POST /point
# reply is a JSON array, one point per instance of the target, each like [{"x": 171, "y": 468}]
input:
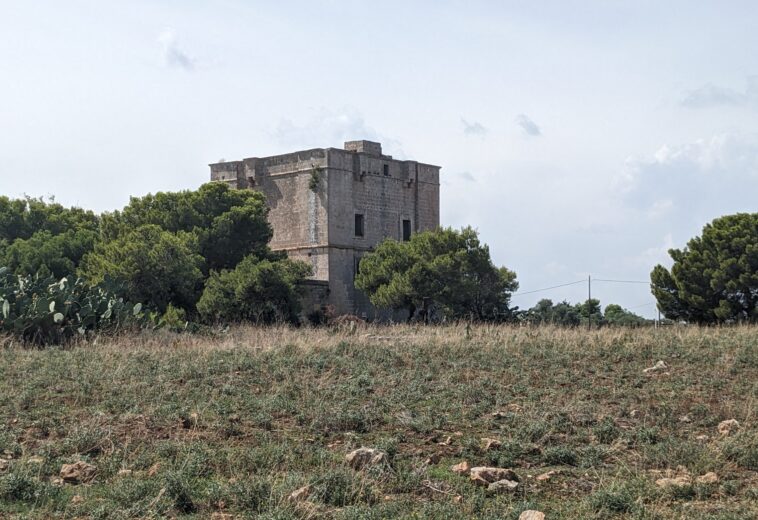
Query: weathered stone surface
[
  {"x": 503, "y": 486},
  {"x": 490, "y": 444},
  {"x": 362, "y": 457},
  {"x": 78, "y": 473},
  {"x": 301, "y": 494},
  {"x": 4, "y": 464},
  {"x": 548, "y": 475},
  {"x": 484, "y": 476},
  {"x": 708, "y": 478},
  {"x": 728, "y": 427},
  {"x": 531, "y": 514},
  {"x": 682, "y": 480},
  {"x": 461, "y": 468},
  {"x": 314, "y": 197},
  {"x": 658, "y": 367}
]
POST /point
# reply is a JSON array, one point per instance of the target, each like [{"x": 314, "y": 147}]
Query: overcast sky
[{"x": 578, "y": 137}]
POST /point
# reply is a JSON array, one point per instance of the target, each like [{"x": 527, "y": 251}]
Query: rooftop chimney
[{"x": 369, "y": 147}]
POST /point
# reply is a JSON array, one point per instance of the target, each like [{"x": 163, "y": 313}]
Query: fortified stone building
[{"x": 329, "y": 206}]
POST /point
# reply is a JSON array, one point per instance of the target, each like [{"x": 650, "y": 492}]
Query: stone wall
[{"x": 315, "y": 221}]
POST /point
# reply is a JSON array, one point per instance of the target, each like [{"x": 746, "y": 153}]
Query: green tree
[
  {"x": 545, "y": 312},
  {"x": 38, "y": 237},
  {"x": 47, "y": 254},
  {"x": 261, "y": 291},
  {"x": 715, "y": 278},
  {"x": 590, "y": 312},
  {"x": 616, "y": 315},
  {"x": 228, "y": 224},
  {"x": 446, "y": 270},
  {"x": 154, "y": 266}
]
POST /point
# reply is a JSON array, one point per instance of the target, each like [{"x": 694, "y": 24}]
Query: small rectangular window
[
  {"x": 406, "y": 230},
  {"x": 386, "y": 170},
  {"x": 359, "y": 225},
  {"x": 357, "y": 265}
]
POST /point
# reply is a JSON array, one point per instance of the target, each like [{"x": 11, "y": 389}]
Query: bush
[
  {"x": 44, "y": 311},
  {"x": 261, "y": 291}
]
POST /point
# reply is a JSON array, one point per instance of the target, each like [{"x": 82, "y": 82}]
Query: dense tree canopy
[
  {"x": 447, "y": 271},
  {"x": 227, "y": 224},
  {"x": 155, "y": 267},
  {"x": 565, "y": 314},
  {"x": 161, "y": 250},
  {"x": 715, "y": 278},
  {"x": 256, "y": 290},
  {"x": 44, "y": 237}
]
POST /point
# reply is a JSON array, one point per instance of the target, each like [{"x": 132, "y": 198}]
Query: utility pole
[{"x": 589, "y": 304}]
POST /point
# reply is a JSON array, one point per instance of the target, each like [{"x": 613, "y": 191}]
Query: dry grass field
[{"x": 229, "y": 426}]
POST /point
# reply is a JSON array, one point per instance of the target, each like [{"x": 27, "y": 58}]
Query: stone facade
[{"x": 329, "y": 206}]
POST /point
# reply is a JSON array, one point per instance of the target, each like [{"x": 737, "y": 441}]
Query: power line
[
  {"x": 638, "y": 306},
  {"x": 622, "y": 281},
  {"x": 548, "y": 288}
]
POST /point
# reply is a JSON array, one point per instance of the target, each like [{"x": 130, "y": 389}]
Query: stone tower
[{"x": 329, "y": 206}]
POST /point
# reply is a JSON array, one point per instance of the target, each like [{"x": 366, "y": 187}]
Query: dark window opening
[
  {"x": 357, "y": 266},
  {"x": 359, "y": 225},
  {"x": 406, "y": 230},
  {"x": 387, "y": 170}
]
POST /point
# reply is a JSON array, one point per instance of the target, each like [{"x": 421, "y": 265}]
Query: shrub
[
  {"x": 261, "y": 291},
  {"x": 45, "y": 311}
]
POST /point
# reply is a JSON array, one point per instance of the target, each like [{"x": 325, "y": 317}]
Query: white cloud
[
  {"x": 658, "y": 254},
  {"x": 473, "y": 128},
  {"x": 173, "y": 56},
  {"x": 528, "y": 126},
  {"x": 660, "y": 208},
  {"x": 328, "y": 127},
  {"x": 710, "y": 95}
]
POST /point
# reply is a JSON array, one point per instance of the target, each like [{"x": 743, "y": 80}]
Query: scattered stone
[
  {"x": 77, "y": 499},
  {"x": 708, "y": 478},
  {"x": 503, "y": 486},
  {"x": 484, "y": 476},
  {"x": 461, "y": 469},
  {"x": 728, "y": 426},
  {"x": 458, "y": 499},
  {"x": 153, "y": 470},
  {"x": 363, "y": 457},
  {"x": 447, "y": 442},
  {"x": 531, "y": 514},
  {"x": 682, "y": 480},
  {"x": 547, "y": 476},
  {"x": 433, "y": 459},
  {"x": 660, "y": 365},
  {"x": 36, "y": 460},
  {"x": 634, "y": 414},
  {"x": 78, "y": 473},
  {"x": 685, "y": 419},
  {"x": 124, "y": 472},
  {"x": 301, "y": 494},
  {"x": 222, "y": 516},
  {"x": 190, "y": 422},
  {"x": 490, "y": 444},
  {"x": 702, "y": 438},
  {"x": 4, "y": 464},
  {"x": 511, "y": 408}
]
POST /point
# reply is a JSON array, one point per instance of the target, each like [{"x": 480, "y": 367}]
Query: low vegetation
[{"x": 616, "y": 423}]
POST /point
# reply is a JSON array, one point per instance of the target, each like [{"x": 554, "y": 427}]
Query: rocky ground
[{"x": 400, "y": 422}]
